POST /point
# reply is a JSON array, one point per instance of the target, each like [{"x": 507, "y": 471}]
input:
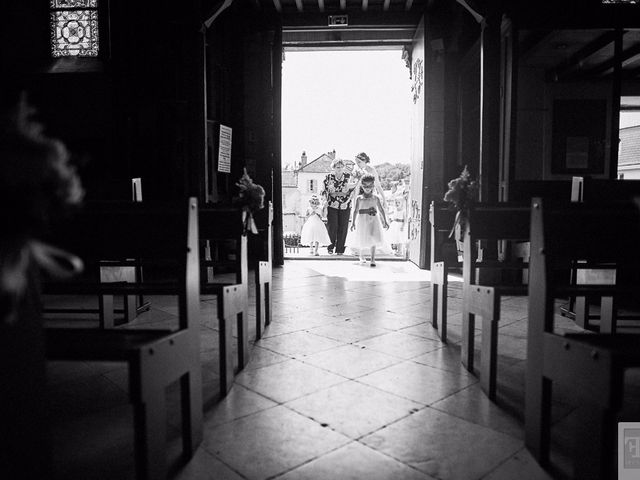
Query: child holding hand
[{"x": 368, "y": 220}]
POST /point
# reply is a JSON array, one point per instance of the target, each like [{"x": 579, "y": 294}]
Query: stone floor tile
[
  {"x": 298, "y": 344},
  {"x": 348, "y": 331},
  {"x": 417, "y": 382},
  {"x": 424, "y": 329},
  {"x": 401, "y": 345},
  {"x": 204, "y": 466},
  {"x": 285, "y": 381},
  {"x": 354, "y": 462},
  {"x": 387, "y": 319},
  {"x": 239, "y": 402},
  {"x": 356, "y": 409},
  {"x": 444, "y": 446},
  {"x": 351, "y": 361},
  {"x": 472, "y": 404},
  {"x": 270, "y": 442},
  {"x": 262, "y": 357},
  {"x": 521, "y": 466}
]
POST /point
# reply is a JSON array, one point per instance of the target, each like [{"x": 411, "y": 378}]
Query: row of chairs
[
  {"x": 165, "y": 242},
  {"x": 493, "y": 225}
]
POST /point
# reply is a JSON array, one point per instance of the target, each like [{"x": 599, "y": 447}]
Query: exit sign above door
[{"x": 338, "y": 20}]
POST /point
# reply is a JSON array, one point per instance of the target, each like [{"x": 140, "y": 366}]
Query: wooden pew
[
  {"x": 591, "y": 365},
  {"x": 522, "y": 191},
  {"x": 489, "y": 223},
  {"x": 159, "y": 235},
  {"x": 594, "y": 191},
  {"x": 441, "y": 218},
  {"x": 264, "y": 269},
  {"x": 219, "y": 224}
]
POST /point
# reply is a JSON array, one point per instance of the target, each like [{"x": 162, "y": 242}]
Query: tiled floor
[{"x": 349, "y": 382}]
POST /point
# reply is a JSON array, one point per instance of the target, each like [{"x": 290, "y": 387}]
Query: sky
[{"x": 350, "y": 101}]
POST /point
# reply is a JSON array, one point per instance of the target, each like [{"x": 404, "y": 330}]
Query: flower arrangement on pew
[
  {"x": 462, "y": 194},
  {"x": 251, "y": 198},
  {"x": 37, "y": 184}
]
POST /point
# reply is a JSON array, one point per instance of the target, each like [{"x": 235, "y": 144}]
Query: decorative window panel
[{"x": 74, "y": 28}]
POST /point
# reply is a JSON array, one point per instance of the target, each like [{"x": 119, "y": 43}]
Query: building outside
[{"x": 629, "y": 153}]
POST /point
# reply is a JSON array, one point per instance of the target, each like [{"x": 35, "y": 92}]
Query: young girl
[
  {"x": 366, "y": 220},
  {"x": 314, "y": 232},
  {"x": 397, "y": 234}
]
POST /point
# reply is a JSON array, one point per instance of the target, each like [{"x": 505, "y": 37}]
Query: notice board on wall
[{"x": 224, "y": 149}]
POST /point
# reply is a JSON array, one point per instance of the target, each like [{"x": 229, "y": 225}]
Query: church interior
[{"x": 151, "y": 328}]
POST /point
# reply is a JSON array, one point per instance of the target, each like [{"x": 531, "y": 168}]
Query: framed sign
[
  {"x": 224, "y": 149},
  {"x": 579, "y": 136}
]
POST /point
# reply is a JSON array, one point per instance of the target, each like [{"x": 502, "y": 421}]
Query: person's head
[
  {"x": 362, "y": 158},
  {"x": 337, "y": 165},
  {"x": 367, "y": 183},
  {"x": 314, "y": 201},
  {"x": 399, "y": 201}
]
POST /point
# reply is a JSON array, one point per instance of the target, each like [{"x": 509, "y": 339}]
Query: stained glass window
[
  {"x": 621, "y": 2},
  {"x": 74, "y": 28}
]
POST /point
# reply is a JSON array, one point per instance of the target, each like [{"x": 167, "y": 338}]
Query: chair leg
[
  {"x": 229, "y": 303},
  {"x": 434, "y": 304},
  {"x": 488, "y": 375},
  {"x": 537, "y": 419},
  {"x": 242, "y": 323},
  {"x": 150, "y": 435},
  {"x": 468, "y": 339},
  {"x": 105, "y": 308},
  {"x": 442, "y": 312},
  {"x": 594, "y": 458},
  {"x": 607, "y": 315},
  {"x": 191, "y": 393},
  {"x": 582, "y": 312}
]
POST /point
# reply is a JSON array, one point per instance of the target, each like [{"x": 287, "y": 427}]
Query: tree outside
[{"x": 391, "y": 174}]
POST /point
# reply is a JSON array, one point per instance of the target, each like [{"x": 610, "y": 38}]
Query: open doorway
[{"x": 336, "y": 104}]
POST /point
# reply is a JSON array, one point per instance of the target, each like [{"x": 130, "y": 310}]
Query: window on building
[
  {"x": 74, "y": 28},
  {"x": 312, "y": 184}
]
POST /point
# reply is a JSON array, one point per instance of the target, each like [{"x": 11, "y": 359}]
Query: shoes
[
  {"x": 373, "y": 263},
  {"x": 317, "y": 254},
  {"x": 339, "y": 253},
  {"x": 363, "y": 261},
  {"x": 330, "y": 252}
]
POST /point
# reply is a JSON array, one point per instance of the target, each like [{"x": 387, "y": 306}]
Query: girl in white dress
[
  {"x": 314, "y": 232},
  {"x": 397, "y": 233},
  {"x": 368, "y": 220}
]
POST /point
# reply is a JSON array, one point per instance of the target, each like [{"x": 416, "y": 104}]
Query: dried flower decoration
[
  {"x": 37, "y": 183},
  {"x": 463, "y": 191},
  {"x": 251, "y": 198},
  {"x": 462, "y": 194}
]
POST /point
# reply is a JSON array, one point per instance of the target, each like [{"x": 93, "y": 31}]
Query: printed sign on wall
[{"x": 224, "y": 149}]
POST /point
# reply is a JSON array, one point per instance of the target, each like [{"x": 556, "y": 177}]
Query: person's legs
[
  {"x": 332, "y": 227},
  {"x": 343, "y": 227},
  {"x": 315, "y": 248},
  {"x": 373, "y": 256}
]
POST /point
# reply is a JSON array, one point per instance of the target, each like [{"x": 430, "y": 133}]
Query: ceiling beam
[
  {"x": 534, "y": 39},
  {"x": 299, "y": 5},
  {"x": 408, "y": 5},
  {"x": 566, "y": 67},
  {"x": 357, "y": 18},
  {"x": 343, "y": 4},
  {"x": 217, "y": 10},
  {"x": 385, "y": 7},
  {"x": 277, "y": 5},
  {"x": 629, "y": 53},
  {"x": 365, "y": 5},
  {"x": 321, "y": 5}
]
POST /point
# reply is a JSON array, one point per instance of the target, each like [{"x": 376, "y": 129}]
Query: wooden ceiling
[
  {"x": 578, "y": 54},
  {"x": 319, "y": 6}
]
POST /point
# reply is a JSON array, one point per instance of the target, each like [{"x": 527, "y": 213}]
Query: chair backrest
[
  {"x": 144, "y": 234},
  {"x": 492, "y": 223},
  {"x": 525, "y": 190},
  {"x": 585, "y": 236},
  {"x": 585, "y": 189},
  {"x": 441, "y": 219},
  {"x": 227, "y": 223}
]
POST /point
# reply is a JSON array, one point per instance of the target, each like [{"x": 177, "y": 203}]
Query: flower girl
[{"x": 314, "y": 232}]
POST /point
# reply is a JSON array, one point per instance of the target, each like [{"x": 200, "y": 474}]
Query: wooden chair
[
  {"x": 441, "y": 218},
  {"x": 221, "y": 224},
  {"x": 264, "y": 269},
  {"x": 595, "y": 191},
  {"x": 522, "y": 191},
  {"x": 591, "y": 365},
  {"x": 490, "y": 223},
  {"x": 158, "y": 236}
]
